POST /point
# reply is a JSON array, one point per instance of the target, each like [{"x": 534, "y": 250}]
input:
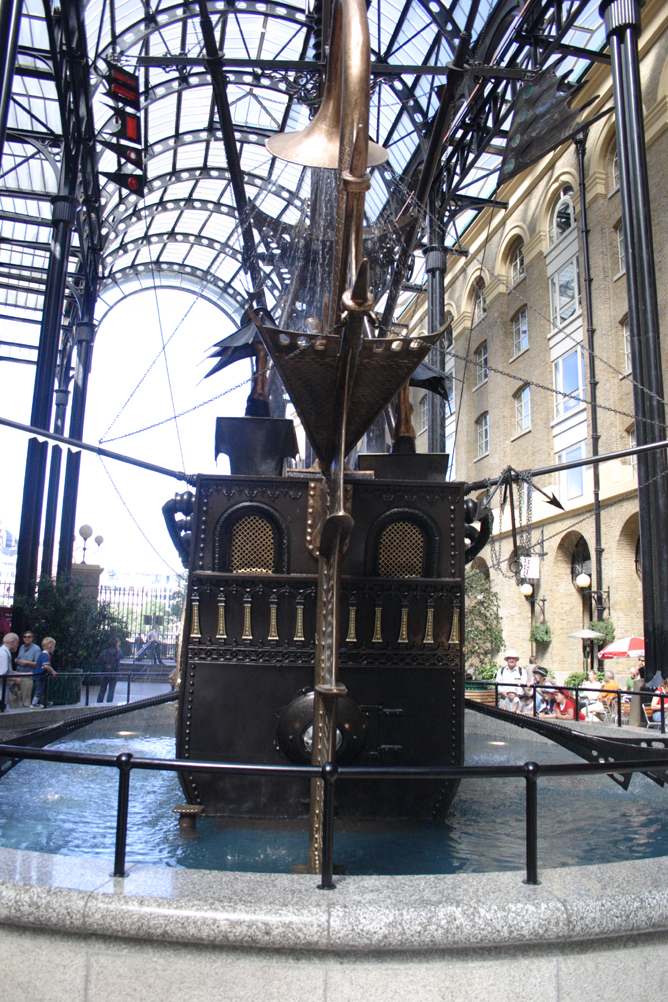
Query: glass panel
[{"x": 520, "y": 332}]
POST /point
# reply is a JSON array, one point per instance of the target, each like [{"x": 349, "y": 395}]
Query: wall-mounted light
[
  {"x": 583, "y": 580},
  {"x": 526, "y": 589}
]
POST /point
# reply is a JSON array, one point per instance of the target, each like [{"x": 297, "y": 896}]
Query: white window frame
[
  {"x": 614, "y": 171},
  {"x": 479, "y": 303},
  {"x": 423, "y": 413},
  {"x": 520, "y": 331},
  {"x": 522, "y": 410},
  {"x": 632, "y": 444},
  {"x": 481, "y": 364},
  {"x": 517, "y": 269},
  {"x": 573, "y": 481},
  {"x": 621, "y": 248},
  {"x": 626, "y": 334},
  {"x": 556, "y": 307},
  {"x": 482, "y": 428},
  {"x": 565, "y": 404},
  {"x": 565, "y": 196}
]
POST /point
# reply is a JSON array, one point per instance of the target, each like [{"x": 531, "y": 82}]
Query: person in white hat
[{"x": 511, "y": 681}]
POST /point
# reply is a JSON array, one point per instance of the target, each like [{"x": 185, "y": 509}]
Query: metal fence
[
  {"x": 330, "y": 773},
  {"x": 615, "y": 702}
]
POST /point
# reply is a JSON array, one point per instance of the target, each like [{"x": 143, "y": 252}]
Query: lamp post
[{"x": 85, "y": 532}]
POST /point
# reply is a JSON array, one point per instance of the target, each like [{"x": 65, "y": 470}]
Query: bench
[{"x": 487, "y": 696}]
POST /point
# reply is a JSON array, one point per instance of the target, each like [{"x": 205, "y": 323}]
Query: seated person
[
  {"x": 548, "y": 696},
  {"x": 564, "y": 706},
  {"x": 656, "y": 705},
  {"x": 610, "y": 687},
  {"x": 512, "y": 702},
  {"x": 538, "y": 676}
]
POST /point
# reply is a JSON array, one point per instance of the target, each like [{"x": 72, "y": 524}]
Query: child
[{"x": 39, "y": 672}]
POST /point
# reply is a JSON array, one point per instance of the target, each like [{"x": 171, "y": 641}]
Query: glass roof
[{"x": 183, "y": 231}]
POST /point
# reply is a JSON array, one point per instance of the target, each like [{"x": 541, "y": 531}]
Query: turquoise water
[{"x": 71, "y": 810}]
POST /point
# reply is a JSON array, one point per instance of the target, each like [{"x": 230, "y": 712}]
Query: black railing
[
  {"x": 330, "y": 774},
  {"x": 86, "y": 684},
  {"x": 610, "y": 696}
]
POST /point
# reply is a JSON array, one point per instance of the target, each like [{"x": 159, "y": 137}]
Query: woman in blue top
[{"x": 39, "y": 672}]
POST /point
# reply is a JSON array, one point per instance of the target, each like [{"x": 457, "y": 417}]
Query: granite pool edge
[{"x": 364, "y": 914}]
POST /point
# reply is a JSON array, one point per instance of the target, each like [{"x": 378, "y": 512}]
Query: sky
[{"x": 128, "y": 341}]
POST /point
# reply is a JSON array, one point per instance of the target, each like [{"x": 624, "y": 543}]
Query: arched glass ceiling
[{"x": 184, "y": 231}]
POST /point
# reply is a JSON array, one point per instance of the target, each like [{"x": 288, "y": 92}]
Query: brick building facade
[{"x": 521, "y": 368}]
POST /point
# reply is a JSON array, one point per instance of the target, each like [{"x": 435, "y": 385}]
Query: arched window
[
  {"x": 523, "y": 410},
  {"x": 517, "y": 264},
  {"x": 563, "y": 214},
  {"x": 401, "y": 551},
  {"x": 251, "y": 538},
  {"x": 479, "y": 303},
  {"x": 482, "y": 429},
  {"x": 481, "y": 369},
  {"x": 614, "y": 170},
  {"x": 581, "y": 559}
]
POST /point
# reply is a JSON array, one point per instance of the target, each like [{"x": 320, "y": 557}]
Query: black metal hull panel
[{"x": 250, "y": 650}]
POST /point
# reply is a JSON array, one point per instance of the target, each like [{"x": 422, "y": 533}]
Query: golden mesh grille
[
  {"x": 401, "y": 551},
  {"x": 252, "y": 546}
]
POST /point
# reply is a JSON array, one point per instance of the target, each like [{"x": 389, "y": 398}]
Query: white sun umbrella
[{"x": 590, "y": 635}]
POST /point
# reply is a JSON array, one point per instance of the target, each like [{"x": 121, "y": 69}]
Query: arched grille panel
[
  {"x": 252, "y": 546},
  {"x": 401, "y": 551}
]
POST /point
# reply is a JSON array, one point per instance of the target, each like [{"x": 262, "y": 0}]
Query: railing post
[
  {"x": 531, "y": 771},
  {"x": 3, "y": 700},
  {"x": 496, "y": 694},
  {"x": 46, "y": 691},
  {"x": 619, "y": 708},
  {"x": 663, "y": 715},
  {"x": 129, "y": 684},
  {"x": 88, "y": 689},
  {"x": 124, "y": 765},
  {"x": 577, "y": 703},
  {"x": 534, "y": 700},
  {"x": 329, "y": 773}
]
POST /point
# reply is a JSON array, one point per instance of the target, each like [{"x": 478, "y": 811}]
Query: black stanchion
[
  {"x": 46, "y": 691},
  {"x": 531, "y": 771},
  {"x": 88, "y": 689},
  {"x": 129, "y": 684},
  {"x": 663, "y": 715},
  {"x": 123, "y": 763},
  {"x": 329, "y": 774},
  {"x": 3, "y": 700},
  {"x": 619, "y": 709}
]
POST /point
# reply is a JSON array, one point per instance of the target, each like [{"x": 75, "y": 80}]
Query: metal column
[
  {"x": 85, "y": 336},
  {"x": 581, "y": 146},
  {"x": 622, "y": 22},
  {"x": 436, "y": 263},
  {"x": 64, "y": 214},
  {"x": 62, "y": 396},
  {"x": 10, "y": 22}
]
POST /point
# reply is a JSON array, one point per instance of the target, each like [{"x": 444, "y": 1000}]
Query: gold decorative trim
[
  {"x": 403, "y": 629},
  {"x": 377, "y": 631},
  {"x": 454, "y": 632},
  {"x": 352, "y": 624},
  {"x": 429, "y": 628},
  {"x": 273, "y": 620},
  {"x": 221, "y": 634},
  {"x": 247, "y": 634},
  {"x": 299, "y": 626},
  {"x": 194, "y": 630}
]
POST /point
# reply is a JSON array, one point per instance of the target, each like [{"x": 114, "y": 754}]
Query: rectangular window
[
  {"x": 520, "y": 332},
  {"x": 627, "y": 345},
  {"x": 523, "y": 410},
  {"x": 573, "y": 480},
  {"x": 621, "y": 250},
  {"x": 632, "y": 445},
  {"x": 423, "y": 413},
  {"x": 481, "y": 364},
  {"x": 569, "y": 379},
  {"x": 482, "y": 424},
  {"x": 450, "y": 449},
  {"x": 565, "y": 292}
]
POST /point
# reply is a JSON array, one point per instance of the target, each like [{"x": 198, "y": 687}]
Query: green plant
[
  {"x": 80, "y": 626},
  {"x": 486, "y": 673},
  {"x": 540, "y": 634},
  {"x": 607, "y": 628},
  {"x": 484, "y": 635},
  {"x": 581, "y": 678}
]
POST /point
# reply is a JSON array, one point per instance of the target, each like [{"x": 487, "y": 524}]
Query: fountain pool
[{"x": 71, "y": 810}]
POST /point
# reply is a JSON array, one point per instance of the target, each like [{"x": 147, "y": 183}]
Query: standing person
[
  {"x": 41, "y": 670},
  {"x": 153, "y": 638},
  {"x": 10, "y": 642},
  {"x": 25, "y": 661},
  {"x": 110, "y": 661},
  {"x": 511, "y": 681}
]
